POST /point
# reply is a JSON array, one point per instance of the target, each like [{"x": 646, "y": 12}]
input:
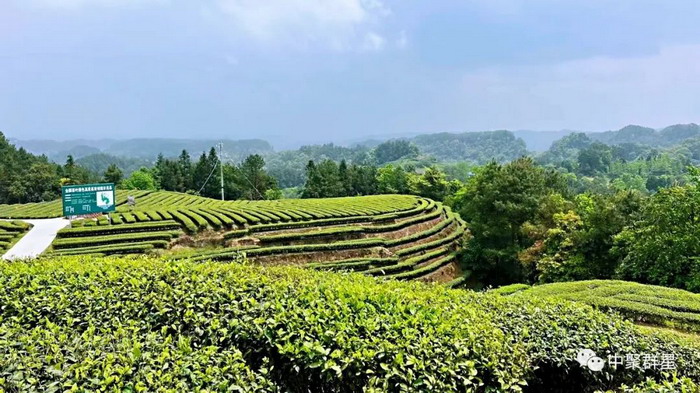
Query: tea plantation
[
  {"x": 10, "y": 232},
  {"x": 399, "y": 236},
  {"x": 647, "y": 304},
  {"x": 143, "y": 324}
]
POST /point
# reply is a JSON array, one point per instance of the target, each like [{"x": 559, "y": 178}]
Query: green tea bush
[
  {"x": 433, "y": 266},
  {"x": 510, "y": 289},
  {"x": 649, "y": 304},
  {"x": 452, "y": 237},
  {"x": 296, "y": 236},
  {"x": 119, "y": 229},
  {"x": 115, "y": 325},
  {"x": 210, "y": 218},
  {"x": 409, "y": 263},
  {"x": 672, "y": 384},
  {"x": 123, "y": 248},
  {"x": 184, "y": 220},
  {"x": 459, "y": 281},
  {"x": 13, "y": 226},
  {"x": 354, "y": 264},
  {"x": 554, "y": 330},
  {"x": 308, "y": 224},
  {"x": 312, "y": 332},
  {"x": 449, "y": 220},
  {"x": 199, "y": 221},
  {"x": 87, "y": 241},
  {"x": 10, "y": 233}
]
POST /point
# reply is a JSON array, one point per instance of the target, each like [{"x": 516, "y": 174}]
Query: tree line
[
  {"x": 528, "y": 225},
  {"x": 247, "y": 180},
  {"x": 26, "y": 178}
]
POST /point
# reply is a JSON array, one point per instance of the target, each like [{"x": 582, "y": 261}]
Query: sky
[{"x": 339, "y": 70}]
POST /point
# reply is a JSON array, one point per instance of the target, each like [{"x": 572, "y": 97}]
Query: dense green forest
[
  {"x": 584, "y": 209},
  {"x": 25, "y": 177},
  {"x": 678, "y": 143}
]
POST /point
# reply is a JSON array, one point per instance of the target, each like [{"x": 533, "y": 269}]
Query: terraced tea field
[
  {"x": 418, "y": 243},
  {"x": 645, "y": 304},
  {"x": 10, "y": 232},
  {"x": 399, "y": 236},
  {"x": 52, "y": 209}
]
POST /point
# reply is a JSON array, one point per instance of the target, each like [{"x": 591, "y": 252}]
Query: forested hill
[
  {"x": 668, "y": 136},
  {"x": 143, "y": 148},
  {"x": 25, "y": 177},
  {"x": 235, "y": 150},
  {"x": 627, "y": 144},
  {"x": 477, "y": 147},
  {"x": 587, "y": 153}
]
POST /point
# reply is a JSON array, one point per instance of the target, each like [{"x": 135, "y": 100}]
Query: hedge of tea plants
[
  {"x": 399, "y": 236},
  {"x": 10, "y": 233},
  {"x": 115, "y": 239},
  {"x": 53, "y": 209},
  {"x": 141, "y": 324},
  {"x": 648, "y": 304},
  {"x": 414, "y": 246},
  {"x": 154, "y": 206},
  {"x": 670, "y": 384}
]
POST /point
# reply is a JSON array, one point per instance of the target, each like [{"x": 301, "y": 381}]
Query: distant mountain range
[
  {"x": 665, "y": 137},
  {"x": 474, "y": 146},
  {"x": 145, "y": 148}
]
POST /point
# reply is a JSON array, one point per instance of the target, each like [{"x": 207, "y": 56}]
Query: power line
[
  {"x": 252, "y": 185},
  {"x": 221, "y": 165},
  {"x": 208, "y": 177}
]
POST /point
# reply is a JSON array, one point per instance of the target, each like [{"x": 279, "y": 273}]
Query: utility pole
[{"x": 221, "y": 166}]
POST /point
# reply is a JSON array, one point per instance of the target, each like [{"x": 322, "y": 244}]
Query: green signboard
[{"x": 88, "y": 199}]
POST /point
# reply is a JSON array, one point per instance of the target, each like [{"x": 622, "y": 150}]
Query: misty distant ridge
[
  {"x": 143, "y": 148},
  {"x": 648, "y": 136},
  {"x": 234, "y": 150}
]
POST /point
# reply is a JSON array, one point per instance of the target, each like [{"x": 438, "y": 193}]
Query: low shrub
[
  {"x": 457, "y": 282},
  {"x": 355, "y": 264},
  {"x": 509, "y": 289},
  {"x": 125, "y": 248},
  {"x": 86, "y": 241},
  {"x": 672, "y": 384},
  {"x": 112, "y": 230},
  {"x": 649, "y": 304},
  {"x": 452, "y": 237},
  {"x": 143, "y": 324},
  {"x": 307, "y": 224},
  {"x": 408, "y": 263},
  {"x": 185, "y": 221},
  {"x": 210, "y": 218},
  {"x": 427, "y": 269},
  {"x": 200, "y": 222},
  {"x": 435, "y": 229}
]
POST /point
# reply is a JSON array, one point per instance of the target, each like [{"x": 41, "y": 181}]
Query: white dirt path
[{"x": 37, "y": 240}]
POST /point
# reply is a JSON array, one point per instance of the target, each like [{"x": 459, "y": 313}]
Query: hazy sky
[{"x": 316, "y": 70}]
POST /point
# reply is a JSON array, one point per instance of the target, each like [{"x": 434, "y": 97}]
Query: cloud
[
  {"x": 338, "y": 24},
  {"x": 593, "y": 93},
  {"x": 101, "y": 3},
  {"x": 402, "y": 41},
  {"x": 373, "y": 42}
]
